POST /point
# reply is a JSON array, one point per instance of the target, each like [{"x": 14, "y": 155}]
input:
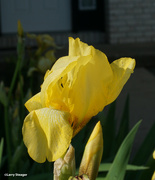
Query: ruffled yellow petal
[
  {"x": 84, "y": 82},
  {"x": 47, "y": 134},
  {"x": 76, "y": 82},
  {"x": 51, "y": 90},
  {"x": 122, "y": 69},
  {"x": 33, "y": 103},
  {"x": 90, "y": 74},
  {"x": 78, "y": 48}
]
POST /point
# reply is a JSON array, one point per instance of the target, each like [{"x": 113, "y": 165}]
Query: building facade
[
  {"x": 94, "y": 21},
  {"x": 131, "y": 21}
]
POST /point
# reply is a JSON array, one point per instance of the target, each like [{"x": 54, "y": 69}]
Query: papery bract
[{"x": 65, "y": 167}]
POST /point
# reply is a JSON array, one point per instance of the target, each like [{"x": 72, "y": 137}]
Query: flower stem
[
  {"x": 20, "y": 51},
  {"x": 17, "y": 72},
  {"x": 7, "y": 134}
]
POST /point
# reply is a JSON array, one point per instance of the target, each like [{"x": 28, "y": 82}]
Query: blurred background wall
[
  {"x": 131, "y": 21},
  {"x": 60, "y": 18},
  {"x": 94, "y": 21}
]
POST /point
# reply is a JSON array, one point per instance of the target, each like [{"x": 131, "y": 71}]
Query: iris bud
[{"x": 92, "y": 153}]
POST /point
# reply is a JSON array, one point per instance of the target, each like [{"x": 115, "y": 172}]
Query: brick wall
[
  {"x": 61, "y": 38},
  {"x": 131, "y": 21}
]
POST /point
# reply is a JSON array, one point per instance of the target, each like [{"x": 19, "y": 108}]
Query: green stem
[
  {"x": 14, "y": 79},
  {"x": 7, "y": 134},
  {"x": 16, "y": 156},
  {"x": 21, "y": 53},
  {"x": 20, "y": 50},
  {"x": 21, "y": 100}
]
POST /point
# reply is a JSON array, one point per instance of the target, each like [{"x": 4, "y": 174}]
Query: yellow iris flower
[{"x": 76, "y": 88}]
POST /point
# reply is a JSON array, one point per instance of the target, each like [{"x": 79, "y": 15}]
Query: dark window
[{"x": 87, "y": 15}]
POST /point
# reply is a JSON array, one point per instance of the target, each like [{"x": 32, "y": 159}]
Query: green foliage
[
  {"x": 45, "y": 176},
  {"x": 3, "y": 96},
  {"x": 124, "y": 125},
  {"x": 108, "y": 123},
  {"x": 143, "y": 155},
  {"x": 43, "y": 57},
  {"x": 118, "y": 167},
  {"x": 104, "y": 167},
  {"x": 140, "y": 167},
  {"x": 13, "y": 154},
  {"x": 1, "y": 150}
]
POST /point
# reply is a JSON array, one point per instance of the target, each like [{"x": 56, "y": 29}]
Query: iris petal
[
  {"x": 78, "y": 48},
  {"x": 77, "y": 82},
  {"x": 52, "y": 88},
  {"x": 47, "y": 134},
  {"x": 34, "y": 103},
  {"x": 122, "y": 69}
]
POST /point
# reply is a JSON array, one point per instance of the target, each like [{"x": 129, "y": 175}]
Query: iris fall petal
[{"x": 47, "y": 134}]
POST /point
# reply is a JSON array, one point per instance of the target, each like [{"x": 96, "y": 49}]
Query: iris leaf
[
  {"x": 106, "y": 166},
  {"x": 108, "y": 123},
  {"x": 1, "y": 150},
  {"x": 124, "y": 125},
  {"x": 145, "y": 150},
  {"x": 118, "y": 168},
  {"x": 3, "y": 96}
]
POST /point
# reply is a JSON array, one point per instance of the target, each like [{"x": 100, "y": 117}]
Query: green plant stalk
[
  {"x": 21, "y": 53},
  {"x": 1, "y": 150},
  {"x": 7, "y": 133},
  {"x": 21, "y": 108},
  {"x": 20, "y": 50},
  {"x": 15, "y": 72},
  {"x": 16, "y": 156}
]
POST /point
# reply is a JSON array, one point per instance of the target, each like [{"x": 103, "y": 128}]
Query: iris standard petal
[
  {"x": 84, "y": 82},
  {"x": 52, "y": 86},
  {"x": 33, "y": 103},
  {"x": 88, "y": 81},
  {"x": 78, "y": 87},
  {"x": 78, "y": 48},
  {"x": 122, "y": 69},
  {"x": 47, "y": 134},
  {"x": 90, "y": 78}
]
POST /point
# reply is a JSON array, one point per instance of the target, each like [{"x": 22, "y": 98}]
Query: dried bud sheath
[{"x": 65, "y": 167}]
